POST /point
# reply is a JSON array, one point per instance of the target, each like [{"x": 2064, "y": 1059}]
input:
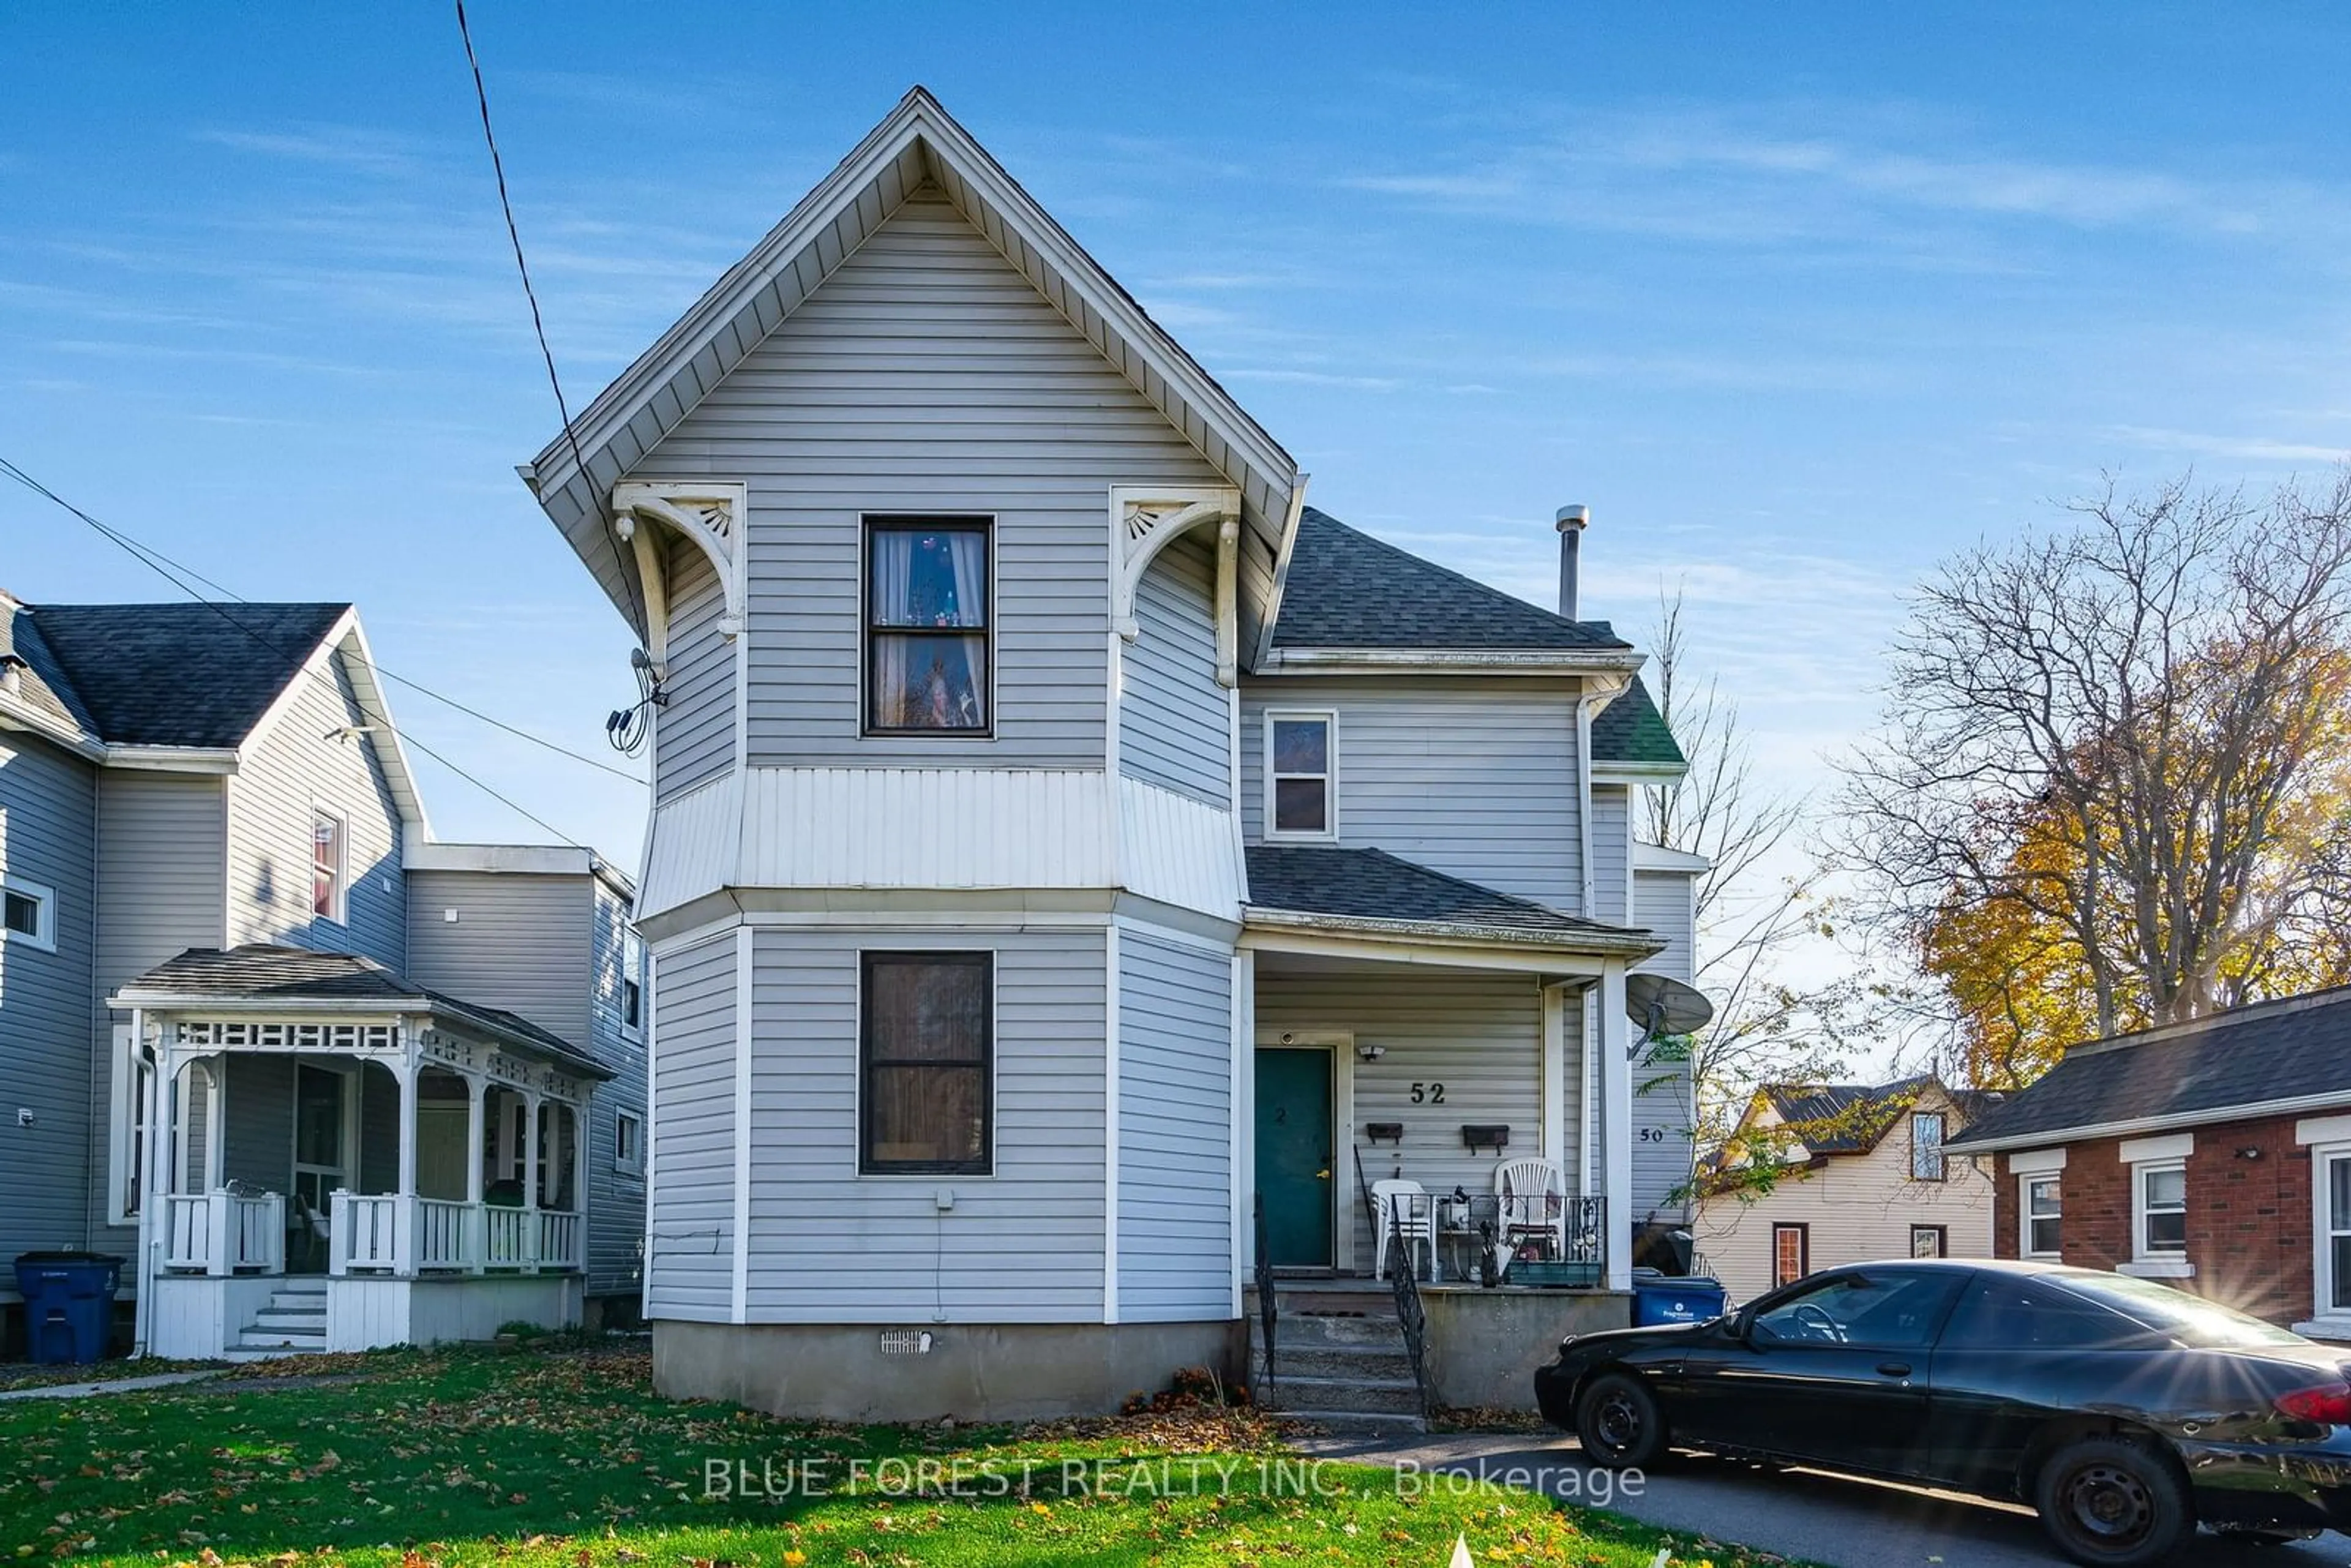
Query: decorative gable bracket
[
  {"x": 1145, "y": 519},
  {"x": 710, "y": 516}
]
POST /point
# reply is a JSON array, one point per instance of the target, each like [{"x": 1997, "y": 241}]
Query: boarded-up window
[{"x": 925, "y": 1104}]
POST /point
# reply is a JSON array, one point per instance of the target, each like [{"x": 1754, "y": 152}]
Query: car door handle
[{"x": 1895, "y": 1368}]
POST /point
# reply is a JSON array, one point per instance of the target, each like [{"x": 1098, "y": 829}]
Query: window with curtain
[
  {"x": 326, "y": 865},
  {"x": 927, "y": 627},
  {"x": 924, "y": 1077}
]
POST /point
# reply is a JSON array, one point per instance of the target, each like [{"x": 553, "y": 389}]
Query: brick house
[{"x": 2214, "y": 1154}]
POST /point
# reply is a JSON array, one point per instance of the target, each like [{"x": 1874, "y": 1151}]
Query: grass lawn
[{"x": 564, "y": 1458}]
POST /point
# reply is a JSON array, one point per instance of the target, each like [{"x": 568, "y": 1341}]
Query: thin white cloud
[
  {"x": 2249, "y": 448},
  {"x": 358, "y": 149}
]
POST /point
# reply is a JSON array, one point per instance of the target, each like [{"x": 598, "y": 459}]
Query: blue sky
[{"x": 1797, "y": 299}]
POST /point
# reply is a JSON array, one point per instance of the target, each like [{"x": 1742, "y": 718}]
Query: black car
[{"x": 2125, "y": 1411}]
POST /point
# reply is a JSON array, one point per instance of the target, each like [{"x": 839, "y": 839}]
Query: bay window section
[
  {"x": 929, "y": 627},
  {"x": 926, "y": 1066}
]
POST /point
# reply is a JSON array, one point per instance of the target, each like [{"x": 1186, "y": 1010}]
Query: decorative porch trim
[
  {"x": 710, "y": 516},
  {"x": 1144, "y": 519}
]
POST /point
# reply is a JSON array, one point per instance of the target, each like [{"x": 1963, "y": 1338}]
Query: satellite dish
[{"x": 1662, "y": 1005}]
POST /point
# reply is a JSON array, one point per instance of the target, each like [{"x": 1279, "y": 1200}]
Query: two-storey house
[
  {"x": 1067, "y": 844},
  {"x": 324, "y": 1081}
]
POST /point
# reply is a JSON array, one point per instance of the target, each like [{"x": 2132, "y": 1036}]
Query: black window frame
[
  {"x": 874, "y": 524},
  {"x": 984, "y": 1164},
  {"x": 1942, "y": 1161}
]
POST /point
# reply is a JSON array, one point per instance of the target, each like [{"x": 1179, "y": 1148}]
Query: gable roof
[
  {"x": 1852, "y": 1118},
  {"x": 1631, "y": 729},
  {"x": 1372, "y": 885},
  {"x": 39, "y": 683},
  {"x": 2268, "y": 1058},
  {"x": 267, "y": 973},
  {"x": 917, "y": 143},
  {"x": 185, "y": 674},
  {"x": 1346, "y": 590}
]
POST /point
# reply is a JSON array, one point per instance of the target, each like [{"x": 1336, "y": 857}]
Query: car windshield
[{"x": 2191, "y": 1319}]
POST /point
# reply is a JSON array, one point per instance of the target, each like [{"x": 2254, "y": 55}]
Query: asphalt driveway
[{"x": 1803, "y": 1513}]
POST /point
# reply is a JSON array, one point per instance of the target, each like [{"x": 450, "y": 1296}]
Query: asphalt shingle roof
[
  {"x": 2293, "y": 1048},
  {"x": 1347, "y": 589},
  {"x": 266, "y": 972},
  {"x": 1373, "y": 884},
  {"x": 1850, "y": 1118},
  {"x": 1631, "y": 729},
  {"x": 41, "y": 681},
  {"x": 177, "y": 675}
]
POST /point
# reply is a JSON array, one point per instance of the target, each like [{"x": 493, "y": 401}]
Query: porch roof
[
  {"x": 279, "y": 979},
  {"x": 1369, "y": 891}
]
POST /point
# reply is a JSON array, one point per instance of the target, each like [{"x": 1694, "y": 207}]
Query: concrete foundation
[
  {"x": 972, "y": 1371},
  {"x": 1484, "y": 1345}
]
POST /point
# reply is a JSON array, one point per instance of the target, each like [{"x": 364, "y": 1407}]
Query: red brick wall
[{"x": 2249, "y": 1220}]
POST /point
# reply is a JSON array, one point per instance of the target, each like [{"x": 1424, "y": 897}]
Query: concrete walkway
[
  {"x": 112, "y": 1385},
  {"x": 1805, "y": 1514}
]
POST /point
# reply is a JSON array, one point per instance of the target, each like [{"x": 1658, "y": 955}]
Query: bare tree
[
  {"x": 2125, "y": 740},
  {"x": 1753, "y": 906}
]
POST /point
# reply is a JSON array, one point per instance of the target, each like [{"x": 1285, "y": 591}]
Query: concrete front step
[
  {"x": 1303, "y": 1329},
  {"x": 1352, "y": 1395},
  {"x": 1334, "y": 1360},
  {"x": 1360, "y": 1423}
]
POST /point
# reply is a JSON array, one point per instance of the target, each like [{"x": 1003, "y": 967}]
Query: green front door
[{"x": 1293, "y": 1156}]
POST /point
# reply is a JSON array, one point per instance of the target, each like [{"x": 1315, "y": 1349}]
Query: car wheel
[
  {"x": 1619, "y": 1423},
  {"x": 2113, "y": 1503}
]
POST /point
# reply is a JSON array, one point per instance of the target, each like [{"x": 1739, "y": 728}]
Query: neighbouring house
[
  {"x": 2214, "y": 1154},
  {"x": 1067, "y": 844},
  {"x": 1819, "y": 1175},
  {"x": 326, "y": 1082}
]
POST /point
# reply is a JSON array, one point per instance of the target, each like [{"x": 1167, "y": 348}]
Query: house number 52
[{"x": 1429, "y": 1093}]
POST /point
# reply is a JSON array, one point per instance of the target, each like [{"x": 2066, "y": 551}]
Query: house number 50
[{"x": 1429, "y": 1093}]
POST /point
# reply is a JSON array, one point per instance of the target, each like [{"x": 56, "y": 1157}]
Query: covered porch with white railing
[{"x": 340, "y": 1182}]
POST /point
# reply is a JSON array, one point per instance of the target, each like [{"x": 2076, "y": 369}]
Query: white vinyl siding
[
  {"x": 48, "y": 806},
  {"x": 1023, "y": 1244},
  {"x": 1662, "y": 1110},
  {"x": 696, "y": 728},
  {"x": 300, "y": 767},
  {"x": 1478, "y": 1034},
  {"x": 1174, "y": 1162},
  {"x": 926, "y": 376},
  {"x": 1859, "y": 1207},
  {"x": 689, "y": 1231},
  {"x": 1473, "y": 777},
  {"x": 1174, "y": 724}
]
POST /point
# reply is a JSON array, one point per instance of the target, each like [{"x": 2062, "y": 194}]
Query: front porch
[{"x": 324, "y": 1175}]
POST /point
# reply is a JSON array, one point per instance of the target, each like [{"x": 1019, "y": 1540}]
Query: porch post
[
  {"x": 219, "y": 1231},
  {"x": 477, "y": 1221},
  {"x": 1617, "y": 1109},
  {"x": 530, "y": 1136},
  {"x": 580, "y": 1186},
  {"x": 403, "y": 1232},
  {"x": 216, "y": 1124},
  {"x": 1554, "y": 1078}
]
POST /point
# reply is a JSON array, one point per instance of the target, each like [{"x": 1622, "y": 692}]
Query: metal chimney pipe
[{"x": 1571, "y": 521}]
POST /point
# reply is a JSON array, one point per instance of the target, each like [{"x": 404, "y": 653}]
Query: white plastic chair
[
  {"x": 1533, "y": 1191},
  {"x": 1397, "y": 1203}
]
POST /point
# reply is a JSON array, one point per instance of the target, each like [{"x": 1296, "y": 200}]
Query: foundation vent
[{"x": 905, "y": 1341}]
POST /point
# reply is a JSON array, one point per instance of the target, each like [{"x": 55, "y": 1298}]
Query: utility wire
[
  {"x": 162, "y": 567},
  {"x": 537, "y": 326},
  {"x": 152, "y": 556}
]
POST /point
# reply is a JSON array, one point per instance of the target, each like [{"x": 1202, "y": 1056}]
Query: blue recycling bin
[
  {"x": 69, "y": 1303},
  {"x": 1662, "y": 1300}
]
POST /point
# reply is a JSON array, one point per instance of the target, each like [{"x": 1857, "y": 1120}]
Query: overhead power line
[
  {"x": 156, "y": 559},
  {"x": 538, "y": 325},
  {"x": 178, "y": 577}
]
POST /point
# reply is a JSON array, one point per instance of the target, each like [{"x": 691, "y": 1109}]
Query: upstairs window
[
  {"x": 1927, "y": 1162},
  {"x": 326, "y": 865},
  {"x": 628, "y": 1141},
  {"x": 1300, "y": 802},
  {"x": 28, "y": 914},
  {"x": 927, "y": 627},
  {"x": 924, "y": 1100},
  {"x": 633, "y": 981}
]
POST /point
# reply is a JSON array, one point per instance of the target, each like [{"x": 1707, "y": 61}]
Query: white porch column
[
  {"x": 1616, "y": 1122},
  {"x": 580, "y": 1186},
  {"x": 530, "y": 1194},
  {"x": 216, "y": 1124},
  {"x": 1554, "y": 1078},
  {"x": 403, "y": 1232},
  {"x": 476, "y": 1223}
]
